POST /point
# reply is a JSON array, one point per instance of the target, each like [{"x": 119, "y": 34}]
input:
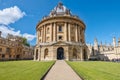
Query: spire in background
[
  {"x": 114, "y": 41},
  {"x": 101, "y": 44},
  {"x": 95, "y": 44},
  {"x": 119, "y": 42}
]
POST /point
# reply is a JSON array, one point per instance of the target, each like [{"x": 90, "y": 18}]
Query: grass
[
  {"x": 23, "y": 70},
  {"x": 97, "y": 70}
]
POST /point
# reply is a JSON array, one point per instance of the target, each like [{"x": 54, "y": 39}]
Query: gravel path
[{"x": 61, "y": 71}]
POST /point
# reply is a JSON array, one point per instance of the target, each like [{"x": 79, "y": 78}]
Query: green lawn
[
  {"x": 97, "y": 70},
  {"x": 23, "y": 70}
]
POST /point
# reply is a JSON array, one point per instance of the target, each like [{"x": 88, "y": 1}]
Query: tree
[{"x": 25, "y": 42}]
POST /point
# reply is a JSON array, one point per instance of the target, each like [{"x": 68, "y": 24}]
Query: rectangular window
[
  {"x": 60, "y": 28},
  {"x": 7, "y": 49},
  {"x": 0, "y": 49},
  {"x": 60, "y": 37},
  {"x": 3, "y": 56},
  {"x": 9, "y": 56}
]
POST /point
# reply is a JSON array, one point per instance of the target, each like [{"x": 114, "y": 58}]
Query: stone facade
[
  {"x": 105, "y": 52},
  {"x": 60, "y": 36},
  {"x": 11, "y": 48}
]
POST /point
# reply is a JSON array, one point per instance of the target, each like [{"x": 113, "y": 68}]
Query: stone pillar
[
  {"x": 39, "y": 57},
  {"x": 54, "y": 32},
  {"x": 65, "y": 31},
  {"x": 43, "y": 33},
  {"x": 51, "y": 32},
  {"x": 80, "y": 33},
  {"x": 37, "y": 38},
  {"x": 76, "y": 33},
  {"x": 81, "y": 54},
  {"x": 54, "y": 53},
  {"x": 35, "y": 55},
  {"x": 69, "y": 32},
  {"x": 67, "y": 54},
  {"x": 83, "y": 35}
]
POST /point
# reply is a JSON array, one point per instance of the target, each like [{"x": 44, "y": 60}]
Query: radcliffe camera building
[{"x": 61, "y": 35}]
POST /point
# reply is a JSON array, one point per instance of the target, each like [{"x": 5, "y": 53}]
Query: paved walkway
[{"x": 61, "y": 71}]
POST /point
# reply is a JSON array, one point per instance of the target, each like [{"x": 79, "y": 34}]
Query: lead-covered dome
[{"x": 60, "y": 9}]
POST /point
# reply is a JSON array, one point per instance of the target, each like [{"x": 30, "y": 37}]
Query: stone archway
[
  {"x": 60, "y": 53},
  {"x": 36, "y": 54},
  {"x": 74, "y": 53},
  {"x": 46, "y": 53}
]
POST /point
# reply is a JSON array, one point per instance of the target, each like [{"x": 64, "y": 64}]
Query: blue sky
[{"x": 102, "y": 17}]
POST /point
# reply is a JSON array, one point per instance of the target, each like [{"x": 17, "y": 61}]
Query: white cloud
[
  {"x": 10, "y": 15},
  {"x": 29, "y": 36},
  {"x": 5, "y": 30}
]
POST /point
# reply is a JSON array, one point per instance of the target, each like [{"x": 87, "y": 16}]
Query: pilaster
[
  {"x": 65, "y": 31},
  {"x": 69, "y": 32},
  {"x": 76, "y": 33}
]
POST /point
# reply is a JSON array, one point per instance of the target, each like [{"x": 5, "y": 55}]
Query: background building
[
  {"x": 105, "y": 52},
  {"x": 61, "y": 36},
  {"x": 12, "y": 48}
]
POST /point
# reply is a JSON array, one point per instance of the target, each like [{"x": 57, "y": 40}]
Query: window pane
[{"x": 60, "y": 28}]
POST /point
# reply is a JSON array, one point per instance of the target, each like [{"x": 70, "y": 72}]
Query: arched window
[
  {"x": 60, "y": 28},
  {"x": 74, "y": 53},
  {"x": 45, "y": 53},
  {"x": 47, "y": 30},
  {"x": 48, "y": 38}
]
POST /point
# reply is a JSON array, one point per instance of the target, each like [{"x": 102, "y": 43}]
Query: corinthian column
[
  {"x": 37, "y": 37},
  {"x": 44, "y": 33},
  {"x": 51, "y": 35},
  {"x": 81, "y": 54},
  {"x": 54, "y": 32},
  {"x": 65, "y": 31},
  {"x": 69, "y": 32},
  {"x": 80, "y": 32},
  {"x": 76, "y": 33}
]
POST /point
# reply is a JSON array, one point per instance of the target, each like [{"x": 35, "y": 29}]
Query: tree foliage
[{"x": 25, "y": 42}]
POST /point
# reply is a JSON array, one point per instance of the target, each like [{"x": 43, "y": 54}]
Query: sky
[{"x": 102, "y": 17}]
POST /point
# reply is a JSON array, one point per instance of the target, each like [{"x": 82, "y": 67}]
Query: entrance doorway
[{"x": 60, "y": 53}]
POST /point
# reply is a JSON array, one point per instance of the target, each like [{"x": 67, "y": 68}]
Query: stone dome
[{"x": 60, "y": 9}]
